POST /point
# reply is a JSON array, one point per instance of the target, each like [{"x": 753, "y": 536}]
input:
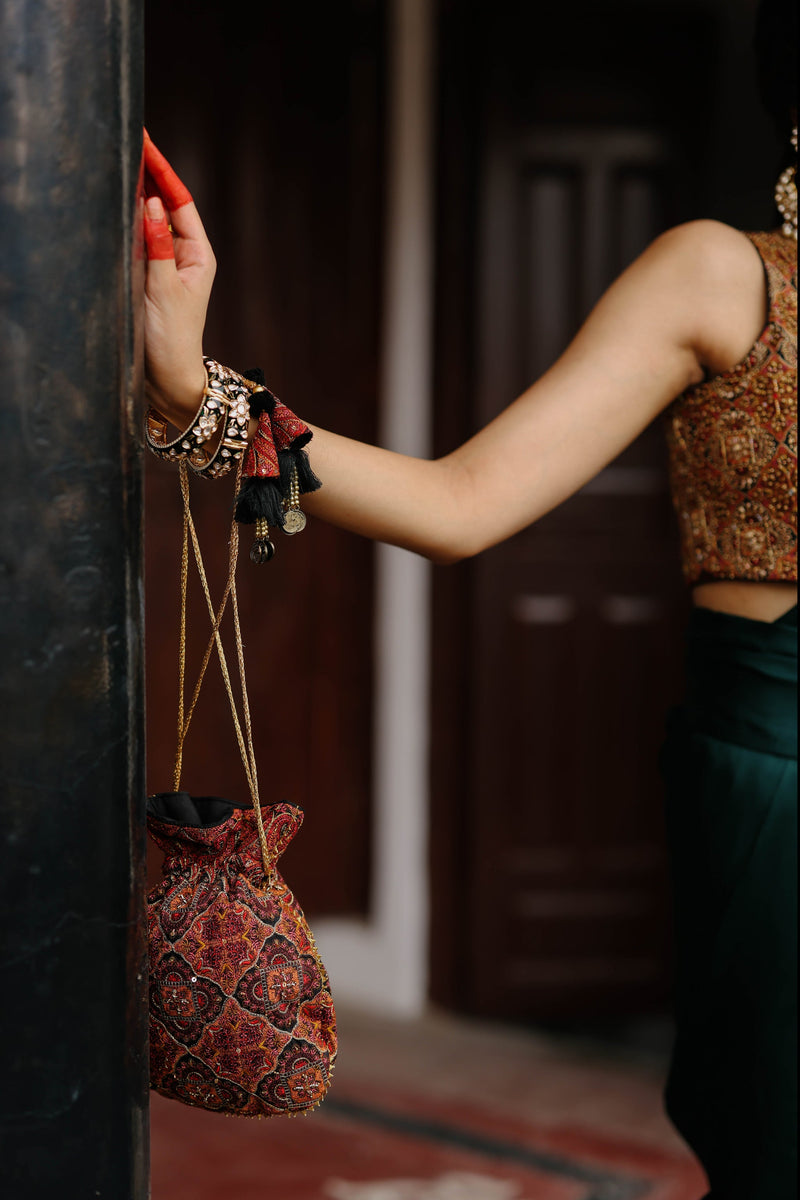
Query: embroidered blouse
[{"x": 733, "y": 447}]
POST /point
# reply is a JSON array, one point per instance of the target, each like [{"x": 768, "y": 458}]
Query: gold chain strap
[
  {"x": 176, "y": 780},
  {"x": 246, "y": 748}
]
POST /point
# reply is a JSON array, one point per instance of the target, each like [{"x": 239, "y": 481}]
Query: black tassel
[
  {"x": 305, "y": 476},
  {"x": 292, "y": 460},
  {"x": 255, "y": 375},
  {"x": 263, "y": 499},
  {"x": 259, "y": 401},
  {"x": 296, "y": 459},
  {"x": 260, "y": 498}
]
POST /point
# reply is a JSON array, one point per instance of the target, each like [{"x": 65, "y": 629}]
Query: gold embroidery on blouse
[{"x": 733, "y": 447}]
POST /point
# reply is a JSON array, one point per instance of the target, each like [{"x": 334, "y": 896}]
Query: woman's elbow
[
  {"x": 446, "y": 557},
  {"x": 452, "y": 537},
  {"x": 458, "y": 547}
]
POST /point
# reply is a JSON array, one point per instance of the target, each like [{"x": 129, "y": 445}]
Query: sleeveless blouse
[{"x": 733, "y": 447}]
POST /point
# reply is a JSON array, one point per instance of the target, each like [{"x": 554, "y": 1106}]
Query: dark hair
[{"x": 776, "y": 60}]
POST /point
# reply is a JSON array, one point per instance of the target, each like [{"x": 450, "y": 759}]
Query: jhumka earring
[{"x": 786, "y": 195}]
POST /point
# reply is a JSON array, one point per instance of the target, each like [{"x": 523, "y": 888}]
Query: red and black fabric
[
  {"x": 275, "y": 454},
  {"x": 241, "y": 1014}
]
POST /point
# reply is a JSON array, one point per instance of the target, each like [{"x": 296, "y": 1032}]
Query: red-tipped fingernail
[
  {"x": 157, "y": 234},
  {"x": 155, "y": 209}
]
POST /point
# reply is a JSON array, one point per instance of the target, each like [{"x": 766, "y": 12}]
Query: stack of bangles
[{"x": 276, "y": 470}]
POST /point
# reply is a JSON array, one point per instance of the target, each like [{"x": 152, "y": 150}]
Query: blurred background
[{"x": 414, "y": 204}]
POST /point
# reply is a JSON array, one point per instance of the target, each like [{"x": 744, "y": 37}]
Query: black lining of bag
[{"x": 195, "y": 812}]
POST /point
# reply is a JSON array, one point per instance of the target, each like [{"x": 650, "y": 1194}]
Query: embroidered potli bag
[{"x": 241, "y": 1013}]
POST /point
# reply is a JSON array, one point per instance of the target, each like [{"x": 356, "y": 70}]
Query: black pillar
[{"x": 73, "y": 1076}]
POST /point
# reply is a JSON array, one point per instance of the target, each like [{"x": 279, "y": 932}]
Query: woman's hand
[{"x": 180, "y": 272}]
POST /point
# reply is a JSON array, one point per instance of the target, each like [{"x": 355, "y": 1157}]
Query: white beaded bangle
[{"x": 233, "y": 391}]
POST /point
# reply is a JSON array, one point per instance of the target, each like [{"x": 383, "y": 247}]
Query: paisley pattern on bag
[
  {"x": 181, "y": 905},
  {"x": 733, "y": 447},
  {"x": 297, "y": 1083},
  {"x": 241, "y": 1014}
]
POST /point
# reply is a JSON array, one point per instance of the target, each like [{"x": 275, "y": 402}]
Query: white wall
[{"x": 382, "y": 963}]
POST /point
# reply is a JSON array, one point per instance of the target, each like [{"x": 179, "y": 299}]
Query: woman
[{"x": 683, "y": 330}]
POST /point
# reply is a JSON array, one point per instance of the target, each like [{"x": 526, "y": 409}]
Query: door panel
[
  {"x": 577, "y": 619},
  {"x": 572, "y": 629}
]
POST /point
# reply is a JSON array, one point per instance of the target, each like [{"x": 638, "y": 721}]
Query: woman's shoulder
[
  {"x": 704, "y": 264},
  {"x": 722, "y": 270},
  {"x": 706, "y": 245}
]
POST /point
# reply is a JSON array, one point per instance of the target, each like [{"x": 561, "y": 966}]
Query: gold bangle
[{"x": 233, "y": 392}]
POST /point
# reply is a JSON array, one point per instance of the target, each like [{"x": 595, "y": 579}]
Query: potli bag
[{"x": 241, "y": 1013}]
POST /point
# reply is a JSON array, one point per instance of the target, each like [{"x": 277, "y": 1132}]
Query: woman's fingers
[
  {"x": 186, "y": 223},
  {"x": 157, "y": 233},
  {"x": 173, "y": 192},
  {"x": 161, "y": 181}
]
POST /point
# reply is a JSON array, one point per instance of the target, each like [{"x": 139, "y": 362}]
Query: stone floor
[{"x": 446, "y": 1109}]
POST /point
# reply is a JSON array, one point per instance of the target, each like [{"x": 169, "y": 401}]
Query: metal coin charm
[{"x": 294, "y": 521}]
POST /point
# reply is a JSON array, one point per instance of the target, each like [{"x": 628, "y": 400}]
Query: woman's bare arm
[
  {"x": 694, "y": 300},
  {"x": 696, "y": 297}
]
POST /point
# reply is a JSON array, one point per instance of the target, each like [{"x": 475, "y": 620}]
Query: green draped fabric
[{"x": 730, "y": 765}]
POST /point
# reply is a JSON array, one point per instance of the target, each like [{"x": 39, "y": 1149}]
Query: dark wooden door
[
  {"x": 549, "y": 861},
  {"x": 275, "y": 119}
]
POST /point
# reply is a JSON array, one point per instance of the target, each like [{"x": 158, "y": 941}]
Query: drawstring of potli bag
[
  {"x": 244, "y": 739},
  {"x": 190, "y": 535}
]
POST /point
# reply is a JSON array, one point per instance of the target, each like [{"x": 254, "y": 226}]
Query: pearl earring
[{"x": 786, "y": 195}]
